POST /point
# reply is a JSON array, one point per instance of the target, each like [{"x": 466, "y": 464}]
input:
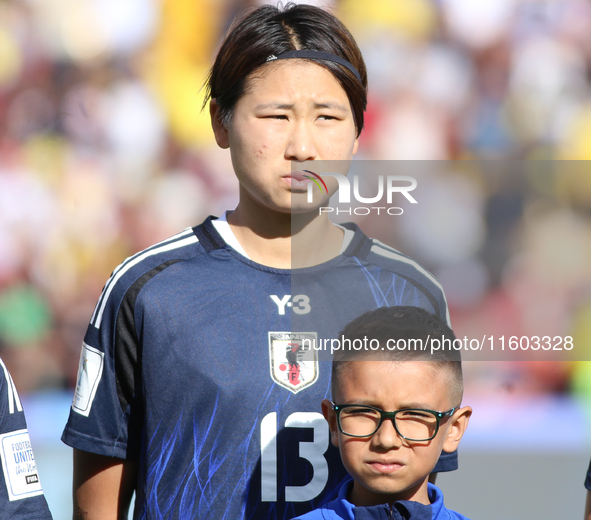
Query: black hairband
[{"x": 318, "y": 55}]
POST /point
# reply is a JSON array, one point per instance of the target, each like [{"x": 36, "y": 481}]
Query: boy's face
[
  {"x": 387, "y": 467},
  {"x": 295, "y": 110}
]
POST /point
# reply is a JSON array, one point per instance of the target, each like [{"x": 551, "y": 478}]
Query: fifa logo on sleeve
[{"x": 90, "y": 370}]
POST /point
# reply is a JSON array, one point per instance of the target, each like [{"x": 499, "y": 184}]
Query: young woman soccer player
[{"x": 198, "y": 386}]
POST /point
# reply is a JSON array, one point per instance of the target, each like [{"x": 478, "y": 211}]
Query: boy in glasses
[{"x": 396, "y": 407}]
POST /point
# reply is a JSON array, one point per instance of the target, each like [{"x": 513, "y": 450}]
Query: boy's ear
[
  {"x": 219, "y": 130},
  {"x": 459, "y": 423},
  {"x": 331, "y": 418}
]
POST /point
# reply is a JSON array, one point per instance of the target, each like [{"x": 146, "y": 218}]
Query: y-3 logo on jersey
[{"x": 300, "y": 303}]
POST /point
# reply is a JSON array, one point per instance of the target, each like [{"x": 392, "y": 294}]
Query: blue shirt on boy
[{"x": 342, "y": 509}]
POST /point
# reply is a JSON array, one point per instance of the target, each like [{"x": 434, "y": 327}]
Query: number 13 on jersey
[{"x": 312, "y": 451}]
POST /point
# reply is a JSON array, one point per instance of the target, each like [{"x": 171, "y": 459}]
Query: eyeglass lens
[{"x": 415, "y": 425}]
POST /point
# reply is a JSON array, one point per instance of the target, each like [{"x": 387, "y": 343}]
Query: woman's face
[{"x": 295, "y": 111}]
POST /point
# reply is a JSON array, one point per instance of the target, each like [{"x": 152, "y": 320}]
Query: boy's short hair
[
  {"x": 270, "y": 30},
  {"x": 404, "y": 333}
]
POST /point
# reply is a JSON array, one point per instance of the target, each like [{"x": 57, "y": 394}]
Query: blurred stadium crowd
[{"x": 105, "y": 149}]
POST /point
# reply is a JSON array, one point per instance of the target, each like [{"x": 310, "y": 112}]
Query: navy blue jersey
[
  {"x": 198, "y": 363},
  {"x": 21, "y": 496}
]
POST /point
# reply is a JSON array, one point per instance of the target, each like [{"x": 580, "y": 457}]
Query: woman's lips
[{"x": 298, "y": 181}]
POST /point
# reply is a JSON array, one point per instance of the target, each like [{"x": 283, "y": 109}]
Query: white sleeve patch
[
  {"x": 18, "y": 465},
  {"x": 90, "y": 371}
]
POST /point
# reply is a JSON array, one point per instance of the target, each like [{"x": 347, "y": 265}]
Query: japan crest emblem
[{"x": 294, "y": 363}]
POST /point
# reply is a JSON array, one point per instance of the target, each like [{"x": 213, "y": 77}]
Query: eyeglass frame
[{"x": 392, "y": 416}]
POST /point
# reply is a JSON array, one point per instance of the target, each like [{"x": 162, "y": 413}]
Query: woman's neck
[{"x": 283, "y": 240}]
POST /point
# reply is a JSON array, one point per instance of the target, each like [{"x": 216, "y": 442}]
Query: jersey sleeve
[
  {"x": 21, "y": 494},
  {"x": 103, "y": 407},
  {"x": 107, "y": 410},
  {"x": 407, "y": 273}
]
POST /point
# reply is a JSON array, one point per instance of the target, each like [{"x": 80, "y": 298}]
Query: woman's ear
[
  {"x": 356, "y": 145},
  {"x": 219, "y": 130},
  {"x": 458, "y": 424},
  {"x": 331, "y": 418}
]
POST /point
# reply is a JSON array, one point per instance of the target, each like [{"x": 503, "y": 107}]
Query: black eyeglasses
[{"x": 412, "y": 424}]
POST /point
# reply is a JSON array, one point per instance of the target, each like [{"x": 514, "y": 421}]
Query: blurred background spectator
[{"x": 105, "y": 149}]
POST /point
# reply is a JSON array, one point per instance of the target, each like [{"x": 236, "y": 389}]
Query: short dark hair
[
  {"x": 415, "y": 326},
  {"x": 270, "y": 30}
]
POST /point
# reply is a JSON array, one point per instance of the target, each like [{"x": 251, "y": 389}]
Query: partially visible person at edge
[
  {"x": 21, "y": 495},
  {"x": 197, "y": 388},
  {"x": 588, "y": 488}
]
